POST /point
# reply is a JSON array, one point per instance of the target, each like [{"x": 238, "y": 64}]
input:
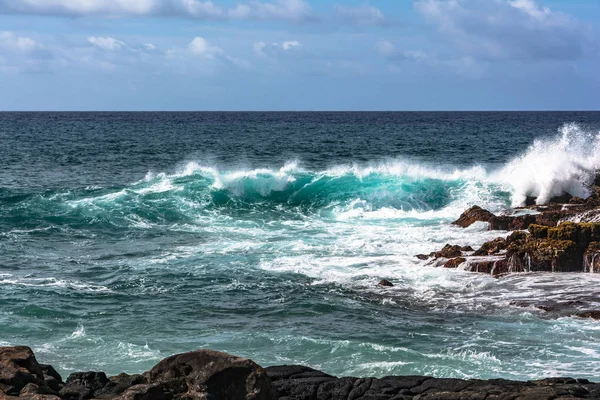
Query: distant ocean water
[{"x": 127, "y": 237}]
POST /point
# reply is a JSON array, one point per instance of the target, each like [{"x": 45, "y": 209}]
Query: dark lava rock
[
  {"x": 52, "y": 378},
  {"x": 449, "y": 251},
  {"x": 472, "y": 215},
  {"x": 18, "y": 367},
  {"x": 120, "y": 383},
  {"x": 511, "y": 223},
  {"x": 491, "y": 247},
  {"x": 385, "y": 282},
  {"x": 562, "y": 199},
  {"x": 92, "y": 380},
  {"x": 76, "y": 393},
  {"x": 589, "y": 314},
  {"x": 302, "y": 383},
  {"x": 422, "y": 256},
  {"x": 209, "y": 375},
  {"x": 212, "y": 375},
  {"x": 591, "y": 258},
  {"x": 455, "y": 262}
]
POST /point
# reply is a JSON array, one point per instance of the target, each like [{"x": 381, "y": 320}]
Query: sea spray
[{"x": 552, "y": 167}]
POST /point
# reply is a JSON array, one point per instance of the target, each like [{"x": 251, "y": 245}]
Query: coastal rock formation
[
  {"x": 206, "y": 375},
  {"x": 568, "y": 247},
  {"x": 472, "y": 215}
]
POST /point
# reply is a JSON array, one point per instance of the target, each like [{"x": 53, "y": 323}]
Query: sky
[{"x": 299, "y": 55}]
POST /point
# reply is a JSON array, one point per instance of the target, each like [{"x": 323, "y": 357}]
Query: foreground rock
[{"x": 210, "y": 375}]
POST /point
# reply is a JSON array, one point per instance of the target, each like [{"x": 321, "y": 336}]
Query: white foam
[{"x": 551, "y": 167}]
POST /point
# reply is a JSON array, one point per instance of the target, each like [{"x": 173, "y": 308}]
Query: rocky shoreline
[
  {"x": 210, "y": 375},
  {"x": 561, "y": 236}
]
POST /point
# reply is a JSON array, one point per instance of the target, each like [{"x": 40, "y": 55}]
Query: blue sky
[{"x": 299, "y": 55}]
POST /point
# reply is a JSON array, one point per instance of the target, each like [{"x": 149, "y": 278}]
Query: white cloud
[
  {"x": 19, "y": 53},
  {"x": 81, "y": 7},
  {"x": 259, "y": 47},
  {"x": 106, "y": 43},
  {"x": 389, "y": 51},
  {"x": 291, "y": 10},
  {"x": 196, "y": 8},
  {"x": 276, "y": 49},
  {"x": 289, "y": 44},
  {"x": 361, "y": 15},
  {"x": 504, "y": 29},
  {"x": 11, "y": 42},
  {"x": 201, "y": 47}
]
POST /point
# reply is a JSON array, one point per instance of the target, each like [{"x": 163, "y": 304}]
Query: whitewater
[{"x": 117, "y": 254}]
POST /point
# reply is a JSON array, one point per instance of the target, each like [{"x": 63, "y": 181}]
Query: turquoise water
[{"x": 125, "y": 238}]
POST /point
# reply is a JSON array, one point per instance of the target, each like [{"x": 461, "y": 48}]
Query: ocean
[{"x": 128, "y": 237}]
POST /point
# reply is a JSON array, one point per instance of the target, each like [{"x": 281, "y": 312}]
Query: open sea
[{"x": 128, "y": 237}]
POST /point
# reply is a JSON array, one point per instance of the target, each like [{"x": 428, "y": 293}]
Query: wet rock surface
[
  {"x": 561, "y": 236},
  {"x": 208, "y": 375}
]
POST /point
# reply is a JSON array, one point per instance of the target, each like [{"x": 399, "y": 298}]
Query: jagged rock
[
  {"x": 511, "y": 223},
  {"x": 483, "y": 266},
  {"x": 472, "y": 215},
  {"x": 151, "y": 392},
  {"x": 455, "y": 262},
  {"x": 545, "y": 255},
  {"x": 422, "y": 257},
  {"x": 538, "y": 231},
  {"x": 52, "y": 378},
  {"x": 301, "y": 383},
  {"x": 466, "y": 248},
  {"x": 516, "y": 236},
  {"x": 491, "y": 247},
  {"x": 209, "y": 374},
  {"x": 76, "y": 393},
  {"x": 91, "y": 379},
  {"x": 18, "y": 367},
  {"x": 562, "y": 199},
  {"x": 385, "y": 282},
  {"x": 589, "y": 314},
  {"x": 32, "y": 388},
  {"x": 591, "y": 258},
  {"x": 449, "y": 251}
]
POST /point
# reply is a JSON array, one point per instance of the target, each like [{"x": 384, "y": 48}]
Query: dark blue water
[{"x": 126, "y": 237}]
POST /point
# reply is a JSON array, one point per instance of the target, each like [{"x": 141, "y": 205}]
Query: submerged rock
[{"x": 386, "y": 283}]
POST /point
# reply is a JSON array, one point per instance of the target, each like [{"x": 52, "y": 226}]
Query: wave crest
[{"x": 552, "y": 167}]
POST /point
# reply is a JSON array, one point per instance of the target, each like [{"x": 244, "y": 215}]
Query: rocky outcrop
[
  {"x": 20, "y": 373},
  {"x": 210, "y": 375},
  {"x": 201, "y": 374},
  {"x": 568, "y": 247},
  {"x": 455, "y": 262},
  {"x": 472, "y": 215},
  {"x": 302, "y": 383},
  {"x": 206, "y": 374}
]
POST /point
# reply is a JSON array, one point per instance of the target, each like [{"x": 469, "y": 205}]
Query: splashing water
[{"x": 280, "y": 262}]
